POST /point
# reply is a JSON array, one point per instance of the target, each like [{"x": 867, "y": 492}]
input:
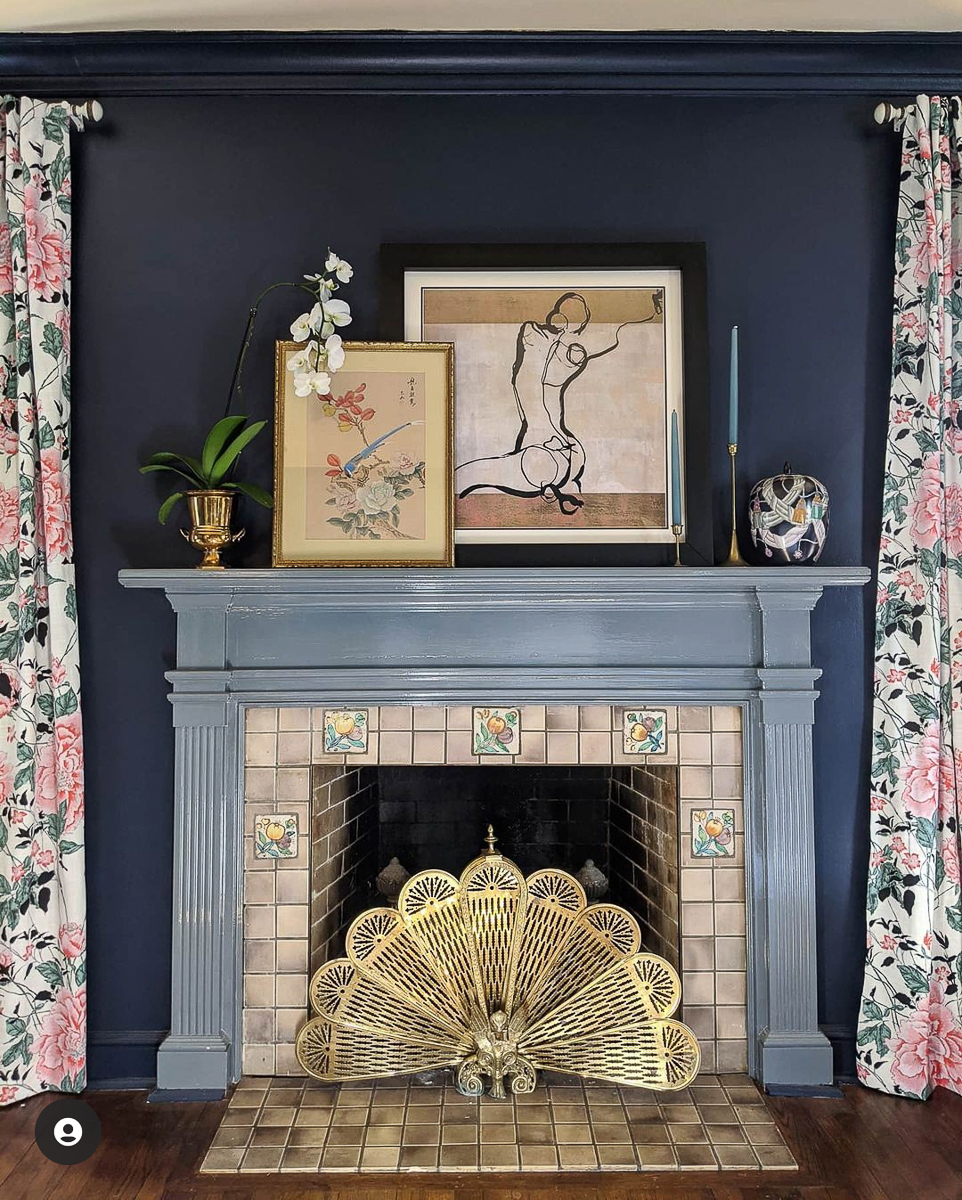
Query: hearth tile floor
[{"x": 397, "y": 1125}]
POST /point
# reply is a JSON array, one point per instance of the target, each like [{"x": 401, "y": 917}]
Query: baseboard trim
[
  {"x": 126, "y": 1037},
  {"x": 842, "y": 1039},
  {"x": 136, "y": 1083}
]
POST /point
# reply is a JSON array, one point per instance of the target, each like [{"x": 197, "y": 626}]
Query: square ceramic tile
[
  {"x": 713, "y": 832},
  {"x": 646, "y": 731},
  {"x": 702, "y": 1127},
  {"x": 345, "y": 731},
  {"x": 275, "y": 836},
  {"x": 497, "y": 730}
]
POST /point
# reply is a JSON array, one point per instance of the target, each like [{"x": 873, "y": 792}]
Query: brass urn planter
[{"x": 210, "y": 525}]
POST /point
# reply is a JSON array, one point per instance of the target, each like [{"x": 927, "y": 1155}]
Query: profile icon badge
[{"x": 67, "y": 1131}]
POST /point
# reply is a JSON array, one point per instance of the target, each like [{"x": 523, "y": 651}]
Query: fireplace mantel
[{"x": 603, "y": 635}]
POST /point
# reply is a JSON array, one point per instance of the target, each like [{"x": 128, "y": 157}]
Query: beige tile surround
[{"x": 283, "y": 744}]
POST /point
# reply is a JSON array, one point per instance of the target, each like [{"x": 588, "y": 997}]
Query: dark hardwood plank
[{"x": 865, "y": 1146}]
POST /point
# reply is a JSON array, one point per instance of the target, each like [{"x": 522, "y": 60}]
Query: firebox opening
[{"x": 623, "y": 819}]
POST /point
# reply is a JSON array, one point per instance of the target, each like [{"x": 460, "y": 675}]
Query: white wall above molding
[{"x": 856, "y": 16}]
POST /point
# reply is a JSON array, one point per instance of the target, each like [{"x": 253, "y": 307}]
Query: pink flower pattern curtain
[
  {"x": 42, "y": 899},
  {"x": 910, "y": 1024}
]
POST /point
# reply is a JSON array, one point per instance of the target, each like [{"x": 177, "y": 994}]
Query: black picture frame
[{"x": 687, "y": 257}]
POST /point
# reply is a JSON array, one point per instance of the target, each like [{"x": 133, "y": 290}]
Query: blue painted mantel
[{"x": 525, "y": 636}]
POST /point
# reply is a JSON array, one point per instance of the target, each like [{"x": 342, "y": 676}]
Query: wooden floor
[{"x": 864, "y": 1146}]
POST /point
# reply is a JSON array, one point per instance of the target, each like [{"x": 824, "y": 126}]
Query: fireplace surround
[{"x": 316, "y": 638}]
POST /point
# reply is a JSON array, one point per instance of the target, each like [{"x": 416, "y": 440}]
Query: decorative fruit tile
[
  {"x": 646, "y": 731},
  {"x": 497, "y": 730},
  {"x": 275, "y": 836},
  {"x": 345, "y": 731},
  {"x": 713, "y": 832}
]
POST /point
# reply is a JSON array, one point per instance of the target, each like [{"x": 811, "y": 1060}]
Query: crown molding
[{"x": 890, "y": 65}]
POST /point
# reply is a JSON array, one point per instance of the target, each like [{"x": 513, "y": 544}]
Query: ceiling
[{"x": 862, "y": 16}]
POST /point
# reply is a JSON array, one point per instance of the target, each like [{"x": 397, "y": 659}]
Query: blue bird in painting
[{"x": 351, "y": 465}]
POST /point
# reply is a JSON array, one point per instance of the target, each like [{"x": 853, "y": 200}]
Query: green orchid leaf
[
  {"x": 230, "y": 454},
  {"x": 167, "y": 507},
  {"x": 217, "y": 439},
  {"x": 191, "y": 479},
  {"x": 166, "y": 457},
  {"x": 257, "y": 494}
]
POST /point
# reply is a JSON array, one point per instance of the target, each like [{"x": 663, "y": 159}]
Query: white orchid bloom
[
  {"x": 321, "y": 383},
  {"x": 334, "y": 349},
  {"x": 301, "y": 329},
  {"x": 316, "y": 317},
  {"x": 336, "y": 313},
  {"x": 309, "y": 382},
  {"x": 322, "y": 284},
  {"x": 300, "y": 362},
  {"x": 343, "y": 270}
]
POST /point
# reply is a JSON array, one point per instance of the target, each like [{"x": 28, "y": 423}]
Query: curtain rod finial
[
  {"x": 886, "y": 112},
  {"x": 90, "y": 110}
]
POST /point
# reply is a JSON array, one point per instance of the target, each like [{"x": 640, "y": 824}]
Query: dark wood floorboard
[{"x": 864, "y": 1146}]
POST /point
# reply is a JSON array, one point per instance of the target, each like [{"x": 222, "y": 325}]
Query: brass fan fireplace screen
[{"x": 494, "y": 975}]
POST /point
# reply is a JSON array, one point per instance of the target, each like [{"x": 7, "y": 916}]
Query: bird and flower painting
[{"x": 364, "y": 473}]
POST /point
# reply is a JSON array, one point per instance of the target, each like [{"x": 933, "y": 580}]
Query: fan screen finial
[{"x": 490, "y": 840}]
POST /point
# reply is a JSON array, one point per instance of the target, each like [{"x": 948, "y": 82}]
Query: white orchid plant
[{"x": 323, "y": 354}]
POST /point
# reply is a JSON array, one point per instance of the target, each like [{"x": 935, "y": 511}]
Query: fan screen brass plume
[{"x": 497, "y": 976}]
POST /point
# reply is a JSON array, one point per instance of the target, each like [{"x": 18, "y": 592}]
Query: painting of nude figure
[{"x": 563, "y": 395}]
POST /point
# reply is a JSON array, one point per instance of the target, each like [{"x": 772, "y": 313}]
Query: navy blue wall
[{"x": 188, "y": 206}]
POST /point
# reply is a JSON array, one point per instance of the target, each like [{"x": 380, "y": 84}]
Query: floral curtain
[
  {"x": 42, "y": 899},
  {"x": 910, "y": 1024}
]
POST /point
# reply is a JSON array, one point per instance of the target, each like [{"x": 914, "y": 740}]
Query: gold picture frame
[{"x": 351, "y": 478}]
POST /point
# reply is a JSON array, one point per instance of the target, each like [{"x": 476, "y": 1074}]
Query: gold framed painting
[{"x": 364, "y": 477}]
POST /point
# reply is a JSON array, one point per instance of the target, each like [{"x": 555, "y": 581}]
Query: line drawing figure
[{"x": 547, "y": 459}]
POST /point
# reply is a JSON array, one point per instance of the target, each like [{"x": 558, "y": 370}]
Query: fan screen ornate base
[{"x": 496, "y": 977}]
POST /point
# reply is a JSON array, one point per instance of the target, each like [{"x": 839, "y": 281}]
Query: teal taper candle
[
  {"x": 733, "y": 391},
  {"x": 675, "y": 473}
]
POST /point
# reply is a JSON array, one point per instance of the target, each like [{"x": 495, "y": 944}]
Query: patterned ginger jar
[{"x": 789, "y": 518}]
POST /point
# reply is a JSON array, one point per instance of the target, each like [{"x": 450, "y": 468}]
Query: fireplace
[
  {"x": 264, "y": 656},
  {"x": 416, "y": 792}
]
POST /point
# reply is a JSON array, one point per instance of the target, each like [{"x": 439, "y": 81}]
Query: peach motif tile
[
  {"x": 275, "y": 836},
  {"x": 713, "y": 832},
  {"x": 345, "y": 731},
  {"x": 496, "y": 730},
  {"x": 646, "y": 731}
]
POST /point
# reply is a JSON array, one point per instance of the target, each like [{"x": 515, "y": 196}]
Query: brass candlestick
[
  {"x": 677, "y": 531},
  {"x": 734, "y": 558}
]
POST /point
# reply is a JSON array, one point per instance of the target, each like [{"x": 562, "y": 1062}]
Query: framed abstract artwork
[
  {"x": 569, "y": 363},
  {"x": 363, "y": 477}
]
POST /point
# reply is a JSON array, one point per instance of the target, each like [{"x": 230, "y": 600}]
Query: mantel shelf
[{"x": 538, "y": 585}]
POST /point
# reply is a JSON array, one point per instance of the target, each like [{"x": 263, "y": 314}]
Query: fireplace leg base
[
  {"x": 173, "y": 1096},
  {"x": 796, "y": 1060},
  {"x": 192, "y": 1064}
]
